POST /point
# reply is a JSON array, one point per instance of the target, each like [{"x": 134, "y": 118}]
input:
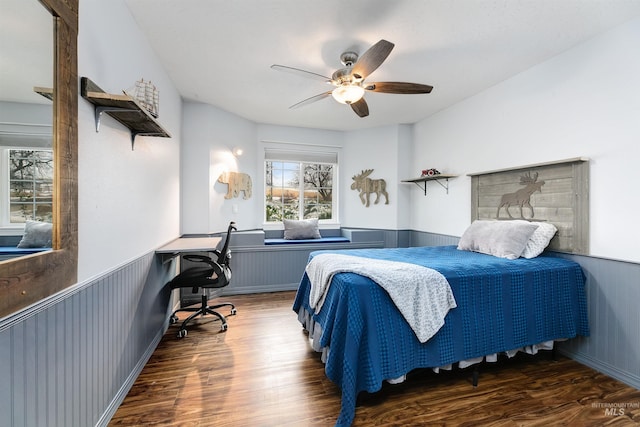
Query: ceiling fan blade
[
  {"x": 311, "y": 100},
  {"x": 372, "y": 59},
  {"x": 301, "y": 73},
  {"x": 398, "y": 87},
  {"x": 360, "y": 107}
]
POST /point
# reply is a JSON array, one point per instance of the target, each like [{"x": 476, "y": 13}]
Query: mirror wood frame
[{"x": 27, "y": 280}]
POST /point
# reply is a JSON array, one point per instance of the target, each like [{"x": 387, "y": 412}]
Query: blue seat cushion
[
  {"x": 12, "y": 250},
  {"x": 330, "y": 239}
]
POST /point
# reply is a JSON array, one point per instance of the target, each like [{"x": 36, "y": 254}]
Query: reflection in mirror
[
  {"x": 26, "y": 119},
  {"x": 27, "y": 280}
]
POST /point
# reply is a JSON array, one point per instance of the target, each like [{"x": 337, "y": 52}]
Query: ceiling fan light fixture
[
  {"x": 349, "y": 81},
  {"x": 348, "y": 94}
]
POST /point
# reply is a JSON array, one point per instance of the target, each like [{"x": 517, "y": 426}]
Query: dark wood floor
[{"x": 262, "y": 372}]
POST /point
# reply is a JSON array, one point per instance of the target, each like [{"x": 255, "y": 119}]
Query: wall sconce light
[{"x": 237, "y": 151}]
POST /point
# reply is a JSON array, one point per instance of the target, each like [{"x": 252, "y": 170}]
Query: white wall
[
  {"x": 379, "y": 149},
  {"x": 128, "y": 201},
  {"x": 209, "y": 136},
  {"x": 34, "y": 120},
  {"x": 584, "y": 102},
  {"x": 404, "y": 171}
]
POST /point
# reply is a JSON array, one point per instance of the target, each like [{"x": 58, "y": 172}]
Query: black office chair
[{"x": 210, "y": 274}]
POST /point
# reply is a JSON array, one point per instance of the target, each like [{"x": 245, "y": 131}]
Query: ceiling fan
[{"x": 349, "y": 83}]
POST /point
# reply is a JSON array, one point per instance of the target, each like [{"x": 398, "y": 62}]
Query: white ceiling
[
  {"x": 220, "y": 51},
  {"x": 26, "y": 51}
]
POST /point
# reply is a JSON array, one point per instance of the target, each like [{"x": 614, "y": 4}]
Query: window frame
[
  {"x": 5, "y": 187},
  {"x": 302, "y": 154}
]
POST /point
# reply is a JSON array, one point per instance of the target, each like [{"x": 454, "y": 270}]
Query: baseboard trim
[
  {"x": 252, "y": 289},
  {"x": 612, "y": 371}
]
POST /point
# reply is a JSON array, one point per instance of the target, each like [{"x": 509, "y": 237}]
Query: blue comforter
[{"x": 502, "y": 305}]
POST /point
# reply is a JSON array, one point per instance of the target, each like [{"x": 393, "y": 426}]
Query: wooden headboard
[{"x": 555, "y": 192}]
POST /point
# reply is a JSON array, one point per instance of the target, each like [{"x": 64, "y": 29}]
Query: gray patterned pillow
[
  {"x": 504, "y": 239},
  {"x": 539, "y": 240},
  {"x": 301, "y": 229},
  {"x": 36, "y": 235}
]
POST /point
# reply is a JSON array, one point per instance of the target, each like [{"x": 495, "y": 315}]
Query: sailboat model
[{"x": 146, "y": 94}]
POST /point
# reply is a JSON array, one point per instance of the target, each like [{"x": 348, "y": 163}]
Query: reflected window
[{"x": 29, "y": 188}]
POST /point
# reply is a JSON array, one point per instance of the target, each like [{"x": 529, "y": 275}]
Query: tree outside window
[
  {"x": 30, "y": 185},
  {"x": 290, "y": 197}
]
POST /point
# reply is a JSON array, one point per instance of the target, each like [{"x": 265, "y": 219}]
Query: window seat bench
[
  {"x": 9, "y": 248},
  {"x": 328, "y": 239},
  {"x": 262, "y": 261},
  {"x": 8, "y": 252}
]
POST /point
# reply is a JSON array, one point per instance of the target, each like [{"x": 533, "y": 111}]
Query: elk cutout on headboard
[
  {"x": 366, "y": 186},
  {"x": 238, "y": 182},
  {"x": 521, "y": 197},
  {"x": 563, "y": 199}
]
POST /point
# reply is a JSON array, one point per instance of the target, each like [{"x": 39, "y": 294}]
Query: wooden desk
[{"x": 183, "y": 245}]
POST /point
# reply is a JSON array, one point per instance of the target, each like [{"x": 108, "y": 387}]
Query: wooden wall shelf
[
  {"x": 124, "y": 109},
  {"x": 422, "y": 181},
  {"x": 47, "y": 92}
]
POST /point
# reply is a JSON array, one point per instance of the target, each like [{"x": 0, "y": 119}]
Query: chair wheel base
[{"x": 203, "y": 310}]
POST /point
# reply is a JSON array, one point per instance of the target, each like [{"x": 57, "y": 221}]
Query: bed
[
  {"x": 504, "y": 291},
  {"x": 503, "y": 305}
]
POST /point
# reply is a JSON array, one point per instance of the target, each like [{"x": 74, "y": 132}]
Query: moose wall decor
[
  {"x": 238, "y": 182},
  {"x": 521, "y": 197},
  {"x": 366, "y": 186}
]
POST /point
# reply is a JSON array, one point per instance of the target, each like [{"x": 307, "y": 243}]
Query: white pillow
[
  {"x": 539, "y": 240},
  {"x": 503, "y": 239},
  {"x": 301, "y": 229},
  {"x": 36, "y": 235}
]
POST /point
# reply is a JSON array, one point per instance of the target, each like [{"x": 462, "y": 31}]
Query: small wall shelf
[
  {"x": 47, "y": 92},
  {"x": 124, "y": 109},
  {"x": 422, "y": 181}
]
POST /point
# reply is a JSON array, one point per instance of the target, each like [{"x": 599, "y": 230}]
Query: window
[
  {"x": 29, "y": 188},
  {"x": 300, "y": 185}
]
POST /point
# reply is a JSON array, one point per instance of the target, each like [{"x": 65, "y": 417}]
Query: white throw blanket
[{"x": 422, "y": 294}]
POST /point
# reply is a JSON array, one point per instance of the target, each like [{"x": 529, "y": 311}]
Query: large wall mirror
[
  {"x": 26, "y": 129},
  {"x": 52, "y": 96}
]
